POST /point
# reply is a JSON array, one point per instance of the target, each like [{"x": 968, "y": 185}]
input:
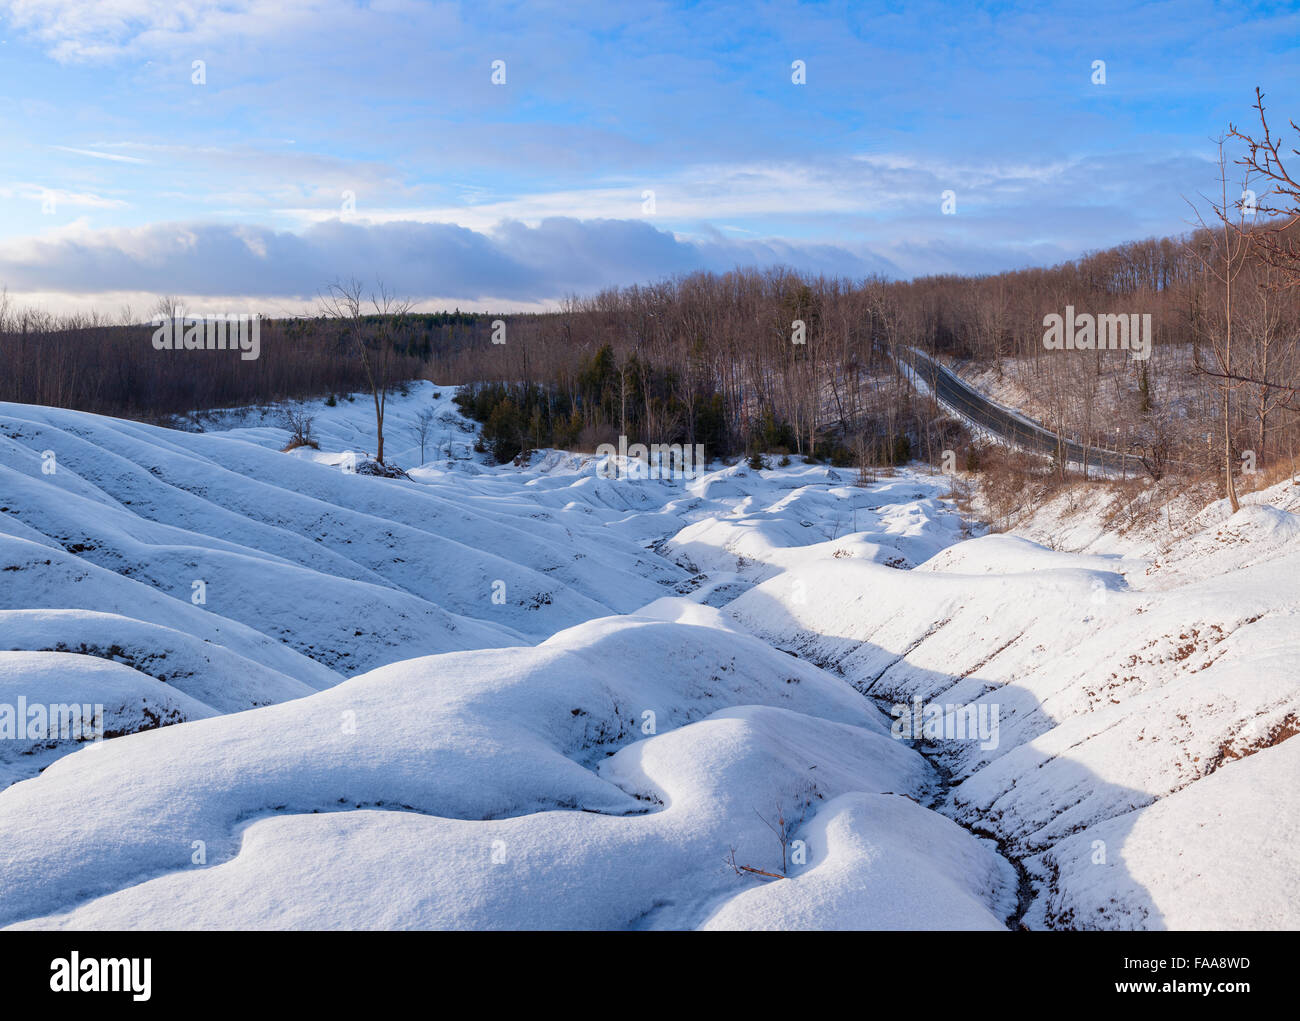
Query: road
[{"x": 970, "y": 404}]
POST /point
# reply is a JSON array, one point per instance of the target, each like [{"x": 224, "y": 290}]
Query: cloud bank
[{"x": 514, "y": 261}]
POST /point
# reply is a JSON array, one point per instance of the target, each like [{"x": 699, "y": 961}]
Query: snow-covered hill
[
  {"x": 535, "y": 697},
  {"x": 1127, "y": 690}
]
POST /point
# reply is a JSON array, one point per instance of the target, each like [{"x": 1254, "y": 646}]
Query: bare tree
[
  {"x": 1277, "y": 247},
  {"x": 169, "y": 306},
  {"x": 1152, "y": 445},
  {"x": 1222, "y": 251},
  {"x": 1269, "y": 348},
  {"x": 1276, "y": 242},
  {"x": 421, "y": 429},
  {"x": 346, "y": 301}
]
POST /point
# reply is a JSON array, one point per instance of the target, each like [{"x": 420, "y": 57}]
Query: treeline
[
  {"x": 761, "y": 360},
  {"x": 90, "y": 364},
  {"x": 777, "y": 361}
]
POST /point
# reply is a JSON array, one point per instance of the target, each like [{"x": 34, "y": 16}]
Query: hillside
[{"x": 536, "y": 697}]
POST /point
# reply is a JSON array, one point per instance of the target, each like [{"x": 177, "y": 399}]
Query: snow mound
[
  {"x": 53, "y": 703},
  {"x": 475, "y": 764},
  {"x": 870, "y": 872},
  {"x": 213, "y": 674},
  {"x": 1115, "y": 691}
]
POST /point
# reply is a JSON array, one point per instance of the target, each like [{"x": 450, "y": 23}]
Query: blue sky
[{"x": 121, "y": 178}]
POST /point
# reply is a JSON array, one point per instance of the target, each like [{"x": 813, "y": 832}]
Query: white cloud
[
  {"x": 75, "y": 31},
  {"x": 115, "y": 157},
  {"x": 39, "y": 193}
]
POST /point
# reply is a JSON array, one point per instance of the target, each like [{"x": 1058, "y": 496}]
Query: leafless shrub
[
  {"x": 299, "y": 424},
  {"x": 788, "y": 812}
]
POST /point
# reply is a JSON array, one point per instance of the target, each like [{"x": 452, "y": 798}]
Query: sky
[{"x": 243, "y": 154}]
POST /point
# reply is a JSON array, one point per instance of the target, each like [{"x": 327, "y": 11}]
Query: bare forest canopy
[{"x": 721, "y": 359}]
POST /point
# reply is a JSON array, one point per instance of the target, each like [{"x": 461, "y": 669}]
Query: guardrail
[{"x": 967, "y": 402}]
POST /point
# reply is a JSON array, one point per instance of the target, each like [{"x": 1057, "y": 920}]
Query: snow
[
  {"x": 130, "y": 700},
  {"x": 871, "y": 870},
  {"x": 533, "y": 697},
  {"x": 1221, "y": 853},
  {"x": 1119, "y": 685}
]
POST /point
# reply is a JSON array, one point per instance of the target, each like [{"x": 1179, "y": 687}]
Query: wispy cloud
[
  {"x": 115, "y": 157},
  {"x": 56, "y": 197},
  {"x": 92, "y": 30}
]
